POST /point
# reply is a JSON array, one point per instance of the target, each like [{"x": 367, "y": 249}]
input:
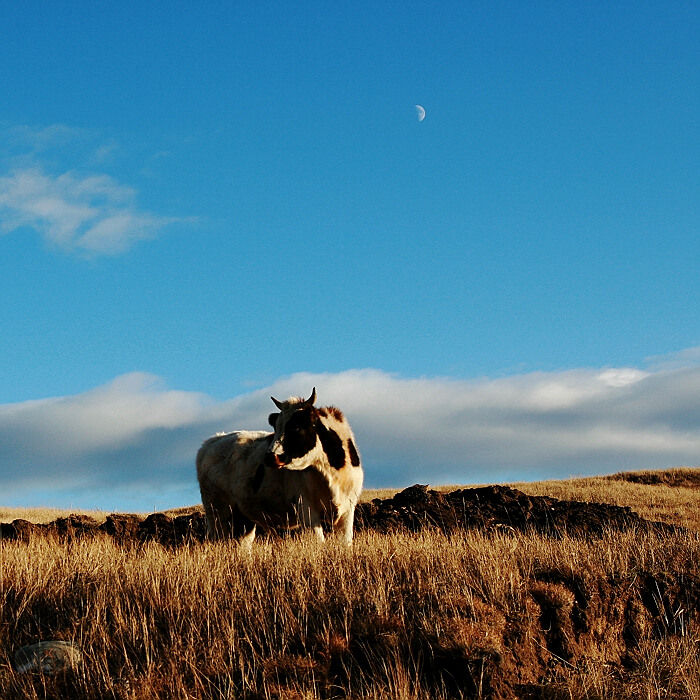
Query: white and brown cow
[{"x": 306, "y": 473}]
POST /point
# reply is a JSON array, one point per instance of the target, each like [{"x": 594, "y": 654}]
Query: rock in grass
[{"x": 48, "y": 657}]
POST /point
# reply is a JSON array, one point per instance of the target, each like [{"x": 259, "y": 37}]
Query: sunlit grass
[
  {"x": 395, "y": 616},
  {"x": 294, "y": 618},
  {"x": 45, "y": 515}
]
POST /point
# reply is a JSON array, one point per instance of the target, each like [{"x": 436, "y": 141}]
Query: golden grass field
[{"x": 474, "y": 615}]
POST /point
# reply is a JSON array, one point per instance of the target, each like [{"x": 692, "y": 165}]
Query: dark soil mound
[
  {"x": 124, "y": 528},
  {"x": 72, "y": 527},
  {"x": 172, "y": 531},
  {"x": 495, "y": 507},
  {"x": 19, "y": 530},
  {"x": 413, "y": 509}
]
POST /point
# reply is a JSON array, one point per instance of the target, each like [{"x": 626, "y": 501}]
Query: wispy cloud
[
  {"x": 135, "y": 434},
  {"x": 50, "y": 182},
  {"x": 91, "y": 214}
]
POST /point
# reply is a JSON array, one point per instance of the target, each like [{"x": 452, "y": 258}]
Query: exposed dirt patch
[
  {"x": 496, "y": 507},
  {"x": 414, "y": 509}
]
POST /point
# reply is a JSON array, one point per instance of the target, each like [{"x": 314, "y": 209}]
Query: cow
[{"x": 306, "y": 473}]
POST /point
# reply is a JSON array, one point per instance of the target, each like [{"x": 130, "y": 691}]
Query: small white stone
[{"x": 48, "y": 657}]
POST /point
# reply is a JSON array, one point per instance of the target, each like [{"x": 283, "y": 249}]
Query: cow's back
[
  {"x": 225, "y": 461},
  {"x": 237, "y": 446}
]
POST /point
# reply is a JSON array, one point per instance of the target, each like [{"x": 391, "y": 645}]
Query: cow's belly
[
  {"x": 287, "y": 498},
  {"x": 233, "y": 476}
]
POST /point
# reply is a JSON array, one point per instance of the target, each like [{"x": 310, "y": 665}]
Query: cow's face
[{"x": 295, "y": 438}]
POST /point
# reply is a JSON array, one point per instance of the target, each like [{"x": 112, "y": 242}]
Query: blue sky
[{"x": 205, "y": 203}]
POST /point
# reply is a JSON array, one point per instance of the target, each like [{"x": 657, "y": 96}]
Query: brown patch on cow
[
  {"x": 335, "y": 413},
  {"x": 332, "y": 446},
  {"x": 354, "y": 457}
]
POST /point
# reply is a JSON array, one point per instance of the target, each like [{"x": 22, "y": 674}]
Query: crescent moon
[{"x": 421, "y": 113}]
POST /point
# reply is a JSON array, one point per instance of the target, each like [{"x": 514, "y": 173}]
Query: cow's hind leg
[
  {"x": 225, "y": 521},
  {"x": 218, "y": 522},
  {"x": 218, "y": 510},
  {"x": 318, "y": 531}
]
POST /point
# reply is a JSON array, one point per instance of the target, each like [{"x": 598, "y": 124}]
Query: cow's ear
[{"x": 272, "y": 419}]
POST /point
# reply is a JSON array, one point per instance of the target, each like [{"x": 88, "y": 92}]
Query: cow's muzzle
[{"x": 274, "y": 460}]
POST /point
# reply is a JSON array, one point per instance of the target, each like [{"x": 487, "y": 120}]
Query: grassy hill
[{"x": 499, "y": 614}]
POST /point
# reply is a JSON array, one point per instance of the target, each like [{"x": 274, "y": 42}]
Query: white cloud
[
  {"x": 91, "y": 214},
  {"x": 134, "y": 433}
]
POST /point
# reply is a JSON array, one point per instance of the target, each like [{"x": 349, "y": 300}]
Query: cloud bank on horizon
[{"x": 130, "y": 444}]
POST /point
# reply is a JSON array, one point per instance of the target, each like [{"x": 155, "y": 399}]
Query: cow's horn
[
  {"x": 277, "y": 403},
  {"x": 310, "y": 401}
]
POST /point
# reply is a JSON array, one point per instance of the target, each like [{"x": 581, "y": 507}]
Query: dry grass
[
  {"x": 401, "y": 616},
  {"x": 48, "y": 515},
  {"x": 44, "y": 515},
  {"x": 396, "y": 616}
]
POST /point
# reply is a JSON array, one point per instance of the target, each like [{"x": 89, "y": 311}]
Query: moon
[{"x": 421, "y": 113}]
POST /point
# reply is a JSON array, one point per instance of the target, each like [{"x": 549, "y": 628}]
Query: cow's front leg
[
  {"x": 318, "y": 531},
  {"x": 343, "y": 526},
  {"x": 309, "y": 516},
  {"x": 243, "y": 530},
  {"x": 315, "y": 522},
  {"x": 245, "y": 542}
]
